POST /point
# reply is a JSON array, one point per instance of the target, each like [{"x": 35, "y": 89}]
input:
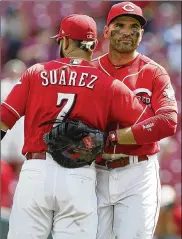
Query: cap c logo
[{"x": 128, "y": 7}]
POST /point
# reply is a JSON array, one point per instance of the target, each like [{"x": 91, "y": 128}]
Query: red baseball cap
[
  {"x": 78, "y": 27},
  {"x": 125, "y": 9}
]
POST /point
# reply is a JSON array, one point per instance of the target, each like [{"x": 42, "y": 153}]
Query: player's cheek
[
  {"x": 136, "y": 37},
  {"x": 114, "y": 33},
  {"x": 137, "y": 34}
]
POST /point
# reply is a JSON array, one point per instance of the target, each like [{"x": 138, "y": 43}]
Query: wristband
[{"x": 112, "y": 139}]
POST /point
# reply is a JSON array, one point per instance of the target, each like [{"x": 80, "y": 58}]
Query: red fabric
[
  {"x": 151, "y": 84},
  {"x": 132, "y": 109},
  {"x": 78, "y": 27},
  {"x": 8, "y": 116},
  {"x": 151, "y": 130},
  {"x": 126, "y": 8},
  {"x": 7, "y": 177},
  {"x": 72, "y": 88}
]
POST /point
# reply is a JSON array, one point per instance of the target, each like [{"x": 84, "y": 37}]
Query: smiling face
[{"x": 124, "y": 33}]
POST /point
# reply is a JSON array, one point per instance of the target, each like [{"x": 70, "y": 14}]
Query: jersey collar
[{"x": 125, "y": 65}]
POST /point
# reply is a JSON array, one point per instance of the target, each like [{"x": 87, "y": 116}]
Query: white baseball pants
[
  {"x": 128, "y": 200},
  {"x": 52, "y": 198}
]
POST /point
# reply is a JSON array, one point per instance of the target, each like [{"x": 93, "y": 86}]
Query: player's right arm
[
  {"x": 149, "y": 128},
  {"x": 13, "y": 108},
  {"x": 127, "y": 110},
  {"x": 164, "y": 104}
]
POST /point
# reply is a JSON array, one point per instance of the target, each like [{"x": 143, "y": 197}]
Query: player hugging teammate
[{"x": 72, "y": 107}]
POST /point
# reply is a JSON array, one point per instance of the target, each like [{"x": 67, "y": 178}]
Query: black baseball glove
[{"x": 73, "y": 144}]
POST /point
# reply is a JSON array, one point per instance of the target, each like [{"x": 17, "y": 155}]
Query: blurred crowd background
[{"x": 26, "y": 28}]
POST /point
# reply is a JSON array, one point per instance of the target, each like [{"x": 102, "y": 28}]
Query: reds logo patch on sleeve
[
  {"x": 144, "y": 95},
  {"x": 169, "y": 92}
]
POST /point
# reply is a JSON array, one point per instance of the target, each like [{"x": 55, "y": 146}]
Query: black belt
[
  {"x": 38, "y": 155},
  {"x": 122, "y": 162}
]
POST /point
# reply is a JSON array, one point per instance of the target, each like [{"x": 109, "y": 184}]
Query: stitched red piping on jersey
[
  {"x": 166, "y": 107},
  {"x": 141, "y": 115},
  {"x": 114, "y": 150},
  {"x": 73, "y": 65},
  {"x": 102, "y": 66},
  {"x": 138, "y": 71},
  {"x": 96, "y": 59},
  {"x": 12, "y": 109},
  {"x": 127, "y": 75}
]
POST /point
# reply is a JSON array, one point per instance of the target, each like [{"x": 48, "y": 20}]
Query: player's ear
[
  {"x": 106, "y": 32},
  {"x": 65, "y": 43},
  {"x": 142, "y": 32}
]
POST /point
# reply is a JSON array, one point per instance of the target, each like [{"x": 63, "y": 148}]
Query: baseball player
[
  {"x": 49, "y": 197},
  {"x": 128, "y": 185}
]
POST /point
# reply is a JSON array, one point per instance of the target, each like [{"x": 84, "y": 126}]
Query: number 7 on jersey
[{"x": 70, "y": 102}]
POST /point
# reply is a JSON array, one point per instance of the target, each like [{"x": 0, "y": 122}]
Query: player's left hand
[{"x": 73, "y": 144}]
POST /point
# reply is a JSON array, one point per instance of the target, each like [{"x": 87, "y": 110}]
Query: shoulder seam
[{"x": 97, "y": 58}]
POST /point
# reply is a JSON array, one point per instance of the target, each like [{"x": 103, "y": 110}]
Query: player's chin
[{"x": 126, "y": 49}]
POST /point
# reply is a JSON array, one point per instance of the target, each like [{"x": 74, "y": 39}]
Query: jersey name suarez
[
  {"x": 60, "y": 77},
  {"x": 64, "y": 89}
]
